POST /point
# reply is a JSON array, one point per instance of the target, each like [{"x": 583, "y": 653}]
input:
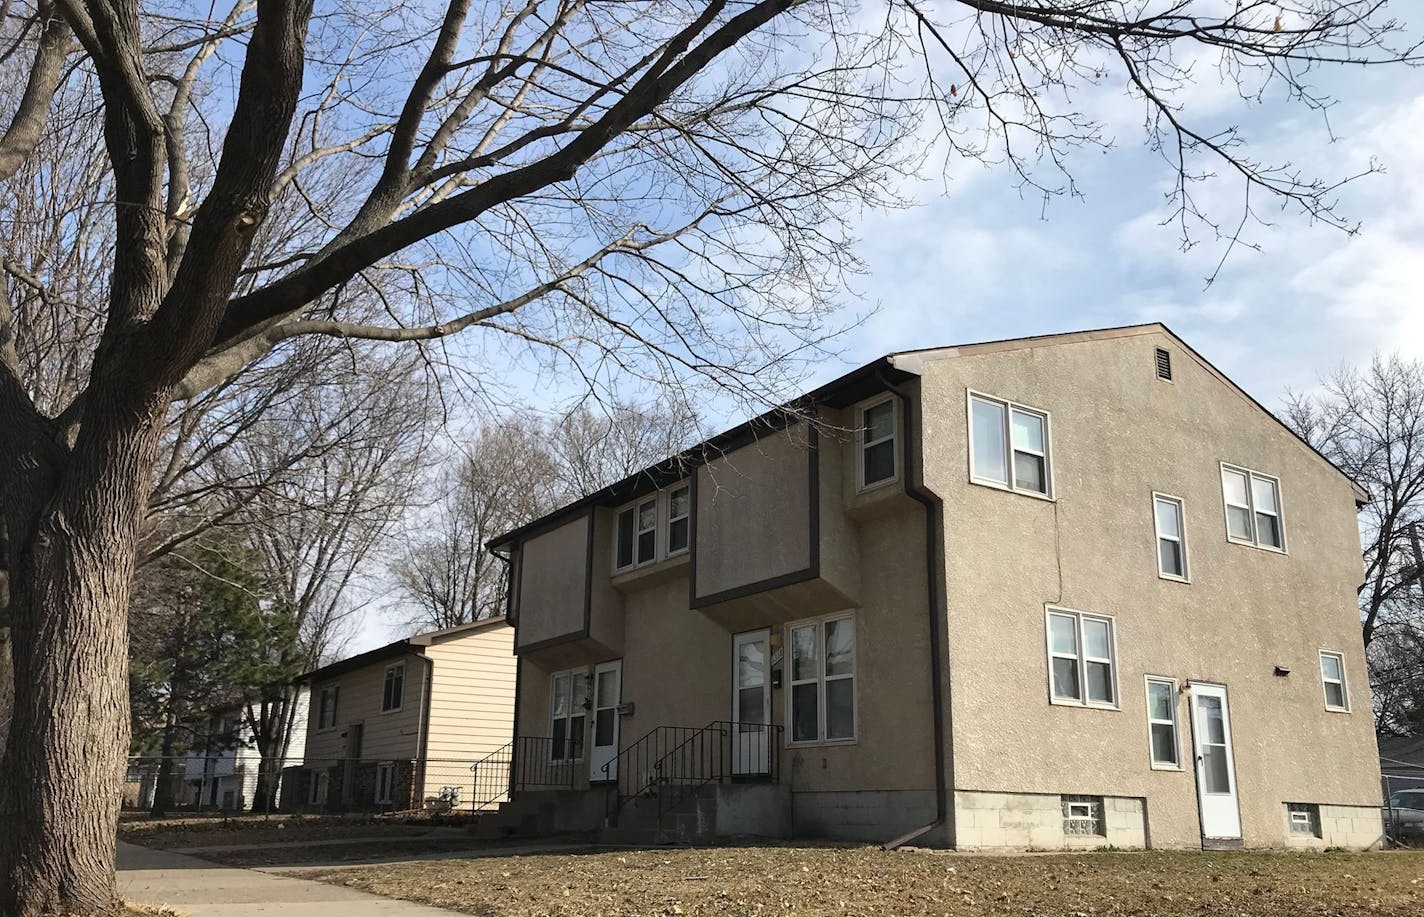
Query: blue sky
[{"x": 975, "y": 259}]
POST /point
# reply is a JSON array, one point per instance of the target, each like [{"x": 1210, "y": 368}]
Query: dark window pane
[
  {"x": 560, "y": 733},
  {"x": 1164, "y": 744},
  {"x": 880, "y": 462},
  {"x": 647, "y": 541},
  {"x": 1238, "y": 522},
  {"x": 751, "y": 705},
  {"x": 1029, "y": 473},
  {"x": 840, "y": 708},
  {"x": 1170, "y": 553},
  {"x": 804, "y": 717},
  {"x": 879, "y": 421},
  {"x": 625, "y": 538},
  {"x": 1268, "y": 530},
  {"x": 1065, "y": 679},
  {"x": 1215, "y": 770},
  {"x": 677, "y": 534},
  {"x": 1334, "y": 695},
  {"x": 603, "y": 727},
  {"x": 576, "y": 731},
  {"x": 1100, "y": 683}
]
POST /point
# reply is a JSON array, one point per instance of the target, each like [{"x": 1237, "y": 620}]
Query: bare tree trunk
[{"x": 69, "y": 598}]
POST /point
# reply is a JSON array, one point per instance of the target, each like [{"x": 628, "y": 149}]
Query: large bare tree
[
  {"x": 1370, "y": 422},
  {"x": 654, "y": 188}
]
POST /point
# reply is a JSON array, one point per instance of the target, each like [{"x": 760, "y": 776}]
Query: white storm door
[
  {"x": 607, "y": 691},
  {"x": 751, "y": 703},
  {"x": 1216, "y": 766}
]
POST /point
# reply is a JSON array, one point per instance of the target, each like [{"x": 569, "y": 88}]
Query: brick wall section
[{"x": 1029, "y": 820}]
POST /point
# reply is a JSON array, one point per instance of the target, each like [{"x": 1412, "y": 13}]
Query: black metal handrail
[
  {"x": 529, "y": 762},
  {"x": 673, "y": 762}
]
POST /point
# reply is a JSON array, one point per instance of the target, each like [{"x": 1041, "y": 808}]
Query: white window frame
[
  {"x": 388, "y": 769},
  {"x": 636, "y": 506},
  {"x": 1172, "y": 687},
  {"x": 1158, "y": 537},
  {"x": 862, "y": 444},
  {"x": 335, "y": 690},
  {"x": 1009, "y": 449},
  {"x": 386, "y": 678},
  {"x": 319, "y": 787},
  {"x": 669, "y": 519},
  {"x": 821, "y": 679},
  {"x": 1251, "y": 478},
  {"x": 1082, "y": 658},
  {"x": 571, "y": 674},
  {"x": 1325, "y": 682}
]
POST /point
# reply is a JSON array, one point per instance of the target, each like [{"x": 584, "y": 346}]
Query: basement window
[
  {"x": 1304, "y": 819},
  {"x": 1083, "y": 816}
]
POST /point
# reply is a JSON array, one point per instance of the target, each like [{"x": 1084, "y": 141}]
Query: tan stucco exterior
[{"x": 770, "y": 549}]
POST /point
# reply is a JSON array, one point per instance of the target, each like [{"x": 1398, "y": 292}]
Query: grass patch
[
  {"x": 863, "y": 881},
  {"x": 215, "y": 830}
]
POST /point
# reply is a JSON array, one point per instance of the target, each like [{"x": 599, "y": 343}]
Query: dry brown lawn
[{"x": 846, "y": 881}]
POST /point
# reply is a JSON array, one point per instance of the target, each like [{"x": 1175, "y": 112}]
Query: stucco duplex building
[
  {"x": 405, "y": 723},
  {"x": 1062, "y": 591}
]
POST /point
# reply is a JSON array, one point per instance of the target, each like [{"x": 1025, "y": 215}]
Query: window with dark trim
[
  {"x": 326, "y": 707},
  {"x": 393, "y": 688}
]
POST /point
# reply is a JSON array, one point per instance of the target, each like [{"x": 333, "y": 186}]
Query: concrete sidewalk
[{"x": 201, "y": 889}]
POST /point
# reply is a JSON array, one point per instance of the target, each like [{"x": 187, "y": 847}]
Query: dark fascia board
[
  {"x": 394, "y": 650},
  {"x": 854, "y": 386}
]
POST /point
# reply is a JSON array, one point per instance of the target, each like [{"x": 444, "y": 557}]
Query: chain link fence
[
  {"x": 1404, "y": 805},
  {"x": 229, "y": 783}
]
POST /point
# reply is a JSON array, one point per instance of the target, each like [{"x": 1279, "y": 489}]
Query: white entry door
[
  {"x": 607, "y": 691},
  {"x": 1216, "y": 766},
  {"x": 751, "y": 703}
]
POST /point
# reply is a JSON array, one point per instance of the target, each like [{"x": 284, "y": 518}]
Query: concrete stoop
[
  {"x": 544, "y": 813},
  {"x": 690, "y": 821}
]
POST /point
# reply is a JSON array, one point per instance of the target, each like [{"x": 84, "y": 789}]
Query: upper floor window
[
  {"x": 822, "y": 696},
  {"x": 679, "y": 521},
  {"x": 1171, "y": 537},
  {"x": 326, "y": 707},
  {"x": 1332, "y": 673},
  {"x": 393, "y": 688},
  {"x": 877, "y": 443},
  {"x": 1253, "y": 508},
  {"x": 638, "y": 534},
  {"x": 1008, "y": 446},
  {"x": 1081, "y": 658}
]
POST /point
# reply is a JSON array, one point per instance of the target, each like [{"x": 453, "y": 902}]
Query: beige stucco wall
[
  {"x": 752, "y": 512},
  {"x": 471, "y": 693},
  {"x": 1118, "y": 434},
  {"x": 553, "y": 582},
  {"x": 677, "y": 662},
  {"x": 385, "y": 736}
]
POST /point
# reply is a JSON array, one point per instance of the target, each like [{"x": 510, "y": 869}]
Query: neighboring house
[
  {"x": 405, "y": 723},
  {"x": 1062, "y": 591},
  {"x": 220, "y": 768}
]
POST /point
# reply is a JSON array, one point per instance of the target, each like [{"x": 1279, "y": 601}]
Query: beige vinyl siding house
[
  {"x": 1064, "y": 591},
  {"x": 401, "y": 725}
]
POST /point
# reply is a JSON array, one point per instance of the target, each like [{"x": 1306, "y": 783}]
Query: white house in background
[{"x": 226, "y": 776}]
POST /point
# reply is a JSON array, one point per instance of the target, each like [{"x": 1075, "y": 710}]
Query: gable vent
[{"x": 1164, "y": 365}]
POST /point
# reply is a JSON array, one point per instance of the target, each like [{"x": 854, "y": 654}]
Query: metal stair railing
[{"x": 529, "y": 762}]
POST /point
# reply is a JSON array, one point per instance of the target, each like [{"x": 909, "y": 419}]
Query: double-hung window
[
  {"x": 385, "y": 783},
  {"x": 1081, "y": 667},
  {"x": 569, "y": 696},
  {"x": 679, "y": 521},
  {"x": 393, "y": 688},
  {"x": 1332, "y": 674},
  {"x": 822, "y": 696},
  {"x": 637, "y": 541},
  {"x": 1171, "y": 537},
  {"x": 326, "y": 708},
  {"x": 877, "y": 443},
  {"x": 1008, "y": 446},
  {"x": 1253, "y": 508},
  {"x": 1162, "y": 722}
]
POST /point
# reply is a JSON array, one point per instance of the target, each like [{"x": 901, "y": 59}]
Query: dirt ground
[
  {"x": 205, "y": 831},
  {"x": 844, "y": 881}
]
